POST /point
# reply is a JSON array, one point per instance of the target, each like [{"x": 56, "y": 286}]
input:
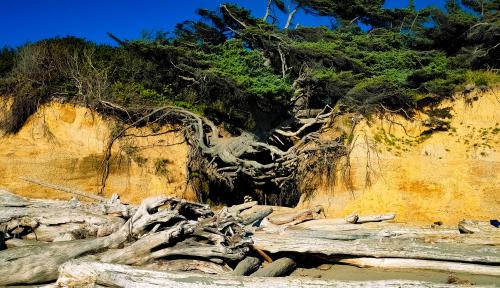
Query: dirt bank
[
  {"x": 423, "y": 177},
  {"x": 64, "y": 143}
]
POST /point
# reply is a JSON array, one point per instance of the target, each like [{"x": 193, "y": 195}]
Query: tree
[{"x": 279, "y": 4}]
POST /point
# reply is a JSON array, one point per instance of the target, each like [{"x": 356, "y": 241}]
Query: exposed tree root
[{"x": 278, "y": 164}]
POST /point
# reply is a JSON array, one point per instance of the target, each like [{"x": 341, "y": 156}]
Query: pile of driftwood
[
  {"x": 161, "y": 233},
  {"x": 109, "y": 243}
]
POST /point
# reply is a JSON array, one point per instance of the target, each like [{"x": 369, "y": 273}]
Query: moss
[
  {"x": 161, "y": 167},
  {"x": 482, "y": 78}
]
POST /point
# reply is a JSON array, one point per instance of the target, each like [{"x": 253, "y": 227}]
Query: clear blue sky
[{"x": 32, "y": 20}]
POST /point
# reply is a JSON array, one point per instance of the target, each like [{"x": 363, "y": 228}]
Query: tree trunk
[
  {"x": 247, "y": 266},
  {"x": 281, "y": 267},
  {"x": 91, "y": 274},
  {"x": 385, "y": 248},
  {"x": 412, "y": 264},
  {"x": 290, "y": 18}
]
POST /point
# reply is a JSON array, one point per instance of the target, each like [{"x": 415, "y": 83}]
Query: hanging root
[{"x": 289, "y": 156}]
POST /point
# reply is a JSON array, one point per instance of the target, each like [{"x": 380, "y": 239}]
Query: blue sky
[{"x": 31, "y": 20}]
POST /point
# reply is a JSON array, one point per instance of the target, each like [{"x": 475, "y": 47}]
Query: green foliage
[
  {"x": 132, "y": 92},
  {"x": 247, "y": 69},
  {"x": 482, "y": 78},
  {"x": 161, "y": 167}
]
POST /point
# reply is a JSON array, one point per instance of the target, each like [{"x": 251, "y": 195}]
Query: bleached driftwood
[
  {"x": 295, "y": 217},
  {"x": 281, "y": 267},
  {"x": 91, "y": 274},
  {"x": 412, "y": 264},
  {"x": 334, "y": 229},
  {"x": 241, "y": 207},
  {"x": 187, "y": 265},
  {"x": 375, "y": 218},
  {"x": 385, "y": 248},
  {"x": 394, "y": 229},
  {"x": 49, "y": 219},
  {"x": 111, "y": 206},
  {"x": 472, "y": 227},
  {"x": 247, "y": 266},
  {"x": 64, "y": 189},
  {"x": 255, "y": 214},
  {"x": 14, "y": 242}
]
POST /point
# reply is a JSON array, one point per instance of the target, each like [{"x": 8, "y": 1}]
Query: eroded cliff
[{"x": 396, "y": 165}]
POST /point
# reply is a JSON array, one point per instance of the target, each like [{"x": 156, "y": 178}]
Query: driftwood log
[
  {"x": 417, "y": 264},
  {"x": 49, "y": 220},
  {"x": 281, "y": 267},
  {"x": 95, "y": 274},
  {"x": 247, "y": 266},
  {"x": 472, "y": 227},
  {"x": 379, "y": 248},
  {"x": 255, "y": 214},
  {"x": 295, "y": 217}
]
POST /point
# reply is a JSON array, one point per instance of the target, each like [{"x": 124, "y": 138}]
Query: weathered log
[
  {"x": 471, "y": 227},
  {"x": 356, "y": 219},
  {"x": 247, "y": 266},
  {"x": 187, "y": 265},
  {"x": 139, "y": 252},
  {"x": 64, "y": 189},
  {"x": 189, "y": 249},
  {"x": 110, "y": 206},
  {"x": 296, "y": 217},
  {"x": 375, "y": 218},
  {"x": 14, "y": 242},
  {"x": 412, "y": 264},
  {"x": 393, "y": 229},
  {"x": 49, "y": 222},
  {"x": 281, "y": 267},
  {"x": 241, "y": 207},
  {"x": 8, "y": 199},
  {"x": 379, "y": 248},
  {"x": 95, "y": 274},
  {"x": 49, "y": 219},
  {"x": 255, "y": 214}
]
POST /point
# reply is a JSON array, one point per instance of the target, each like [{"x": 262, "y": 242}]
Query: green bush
[{"x": 247, "y": 69}]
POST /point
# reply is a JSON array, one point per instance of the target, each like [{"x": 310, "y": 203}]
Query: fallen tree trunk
[
  {"x": 281, "y": 267},
  {"x": 412, "y": 264},
  {"x": 65, "y": 189},
  {"x": 247, "y": 266},
  {"x": 295, "y": 217},
  {"x": 375, "y": 218},
  {"x": 393, "y": 229},
  {"x": 333, "y": 229},
  {"x": 255, "y": 214},
  {"x": 91, "y": 274},
  {"x": 188, "y": 265},
  {"x": 50, "y": 221},
  {"x": 47, "y": 220},
  {"x": 472, "y": 227},
  {"x": 379, "y": 248}
]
